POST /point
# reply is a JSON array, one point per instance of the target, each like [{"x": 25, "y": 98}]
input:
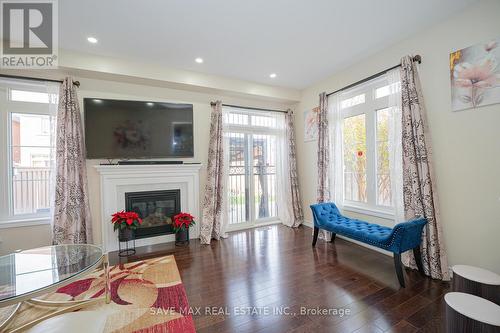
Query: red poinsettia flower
[
  {"x": 182, "y": 221},
  {"x": 124, "y": 219}
]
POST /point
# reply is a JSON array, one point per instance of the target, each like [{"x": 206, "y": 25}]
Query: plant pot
[
  {"x": 125, "y": 235},
  {"x": 182, "y": 237}
]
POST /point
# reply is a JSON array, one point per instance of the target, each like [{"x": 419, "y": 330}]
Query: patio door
[{"x": 252, "y": 145}]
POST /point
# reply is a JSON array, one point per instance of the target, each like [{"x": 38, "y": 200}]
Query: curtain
[
  {"x": 395, "y": 146},
  {"x": 419, "y": 192},
  {"x": 214, "y": 219},
  {"x": 323, "y": 191},
  {"x": 289, "y": 204},
  {"x": 72, "y": 221}
]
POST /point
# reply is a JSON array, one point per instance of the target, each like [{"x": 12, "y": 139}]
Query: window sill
[
  {"x": 5, "y": 224},
  {"x": 385, "y": 214}
]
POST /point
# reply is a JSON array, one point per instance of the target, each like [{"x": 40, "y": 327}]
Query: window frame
[
  {"x": 249, "y": 130},
  {"x": 7, "y": 217},
  {"x": 369, "y": 108}
]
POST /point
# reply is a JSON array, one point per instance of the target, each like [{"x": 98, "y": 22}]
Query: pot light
[
  {"x": 92, "y": 40},
  {"x": 272, "y": 75},
  {"x": 199, "y": 60}
]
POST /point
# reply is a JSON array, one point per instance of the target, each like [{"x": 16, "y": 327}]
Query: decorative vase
[
  {"x": 125, "y": 235},
  {"x": 182, "y": 237}
]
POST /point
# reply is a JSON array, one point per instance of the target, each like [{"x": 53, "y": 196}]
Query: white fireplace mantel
[{"x": 116, "y": 180}]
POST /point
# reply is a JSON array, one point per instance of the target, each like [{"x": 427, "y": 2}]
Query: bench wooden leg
[
  {"x": 333, "y": 237},
  {"x": 418, "y": 259},
  {"x": 399, "y": 269},
  {"x": 315, "y": 236}
]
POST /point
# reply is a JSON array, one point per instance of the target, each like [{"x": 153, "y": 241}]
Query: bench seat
[{"x": 403, "y": 237}]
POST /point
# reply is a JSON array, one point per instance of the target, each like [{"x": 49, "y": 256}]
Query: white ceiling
[{"x": 302, "y": 41}]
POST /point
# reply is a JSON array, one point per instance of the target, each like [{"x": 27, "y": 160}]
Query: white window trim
[
  {"x": 369, "y": 109},
  {"x": 250, "y": 129},
  {"x": 9, "y": 220}
]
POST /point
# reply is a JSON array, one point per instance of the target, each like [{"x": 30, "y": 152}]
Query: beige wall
[
  {"x": 28, "y": 237},
  {"x": 466, "y": 144}
]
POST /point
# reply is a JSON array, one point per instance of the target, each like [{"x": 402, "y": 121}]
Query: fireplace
[{"x": 156, "y": 209}]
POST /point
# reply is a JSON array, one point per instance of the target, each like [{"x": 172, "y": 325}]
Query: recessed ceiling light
[
  {"x": 92, "y": 40},
  {"x": 272, "y": 75},
  {"x": 199, "y": 60}
]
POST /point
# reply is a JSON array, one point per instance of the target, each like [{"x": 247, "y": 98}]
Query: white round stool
[
  {"x": 476, "y": 281},
  {"x": 468, "y": 313}
]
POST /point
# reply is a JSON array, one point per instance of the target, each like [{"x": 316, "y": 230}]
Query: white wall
[
  {"x": 34, "y": 236},
  {"x": 466, "y": 144}
]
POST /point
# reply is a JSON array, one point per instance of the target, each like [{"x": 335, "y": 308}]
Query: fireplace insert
[{"x": 156, "y": 209}]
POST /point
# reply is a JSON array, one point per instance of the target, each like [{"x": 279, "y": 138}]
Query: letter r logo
[{"x": 27, "y": 27}]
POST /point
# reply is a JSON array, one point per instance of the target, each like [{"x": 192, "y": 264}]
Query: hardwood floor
[{"x": 275, "y": 268}]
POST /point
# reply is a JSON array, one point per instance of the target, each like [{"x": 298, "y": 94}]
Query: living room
[{"x": 260, "y": 167}]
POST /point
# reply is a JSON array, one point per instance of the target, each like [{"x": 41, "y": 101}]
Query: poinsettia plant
[
  {"x": 182, "y": 221},
  {"x": 125, "y": 220}
]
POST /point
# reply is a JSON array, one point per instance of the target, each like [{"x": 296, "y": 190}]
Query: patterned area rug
[{"x": 146, "y": 297}]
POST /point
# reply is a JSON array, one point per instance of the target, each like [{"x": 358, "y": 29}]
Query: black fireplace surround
[{"x": 156, "y": 209}]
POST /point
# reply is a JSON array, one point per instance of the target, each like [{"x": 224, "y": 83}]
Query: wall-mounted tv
[{"x": 116, "y": 129}]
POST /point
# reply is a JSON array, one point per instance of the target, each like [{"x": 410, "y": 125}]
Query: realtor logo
[{"x": 29, "y": 34}]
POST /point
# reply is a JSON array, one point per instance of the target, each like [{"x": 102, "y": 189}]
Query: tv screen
[{"x": 133, "y": 129}]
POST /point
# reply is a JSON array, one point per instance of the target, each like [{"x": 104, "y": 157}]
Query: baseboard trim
[{"x": 387, "y": 253}]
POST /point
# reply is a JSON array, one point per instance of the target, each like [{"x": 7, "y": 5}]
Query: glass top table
[{"x": 27, "y": 274}]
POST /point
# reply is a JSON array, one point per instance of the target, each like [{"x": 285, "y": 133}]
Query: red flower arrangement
[
  {"x": 182, "y": 221},
  {"x": 125, "y": 220}
]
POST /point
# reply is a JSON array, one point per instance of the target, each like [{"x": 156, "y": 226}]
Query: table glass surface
[{"x": 31, "y": 270}]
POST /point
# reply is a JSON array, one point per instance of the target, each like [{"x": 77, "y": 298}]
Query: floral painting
[
  {"x": 311, "y": 124},
  {"x": 475, "y": 76}
]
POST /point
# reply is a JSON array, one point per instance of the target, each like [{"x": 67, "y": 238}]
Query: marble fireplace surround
[{"x": 116, "y": 180}]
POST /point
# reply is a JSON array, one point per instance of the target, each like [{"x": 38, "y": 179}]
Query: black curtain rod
[
  {"x": 249, "y": 108},
  {"x": 416, "y": 58},
  {"x": 76, "y": 83}
]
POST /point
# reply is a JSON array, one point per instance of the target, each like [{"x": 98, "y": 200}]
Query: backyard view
[
  {"x": 355, "y": 159},
  {"x": 252, "y": 169}
]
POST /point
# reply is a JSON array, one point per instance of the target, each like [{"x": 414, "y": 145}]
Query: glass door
[{"x": 252, "y": 148}]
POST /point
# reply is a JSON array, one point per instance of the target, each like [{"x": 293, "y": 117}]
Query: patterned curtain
[
  {"x": 419, "y": 194},
  {"x": 291, "y": 164},
  {"x": 72, "y": 222},
  {"x": 213, "y": 204},
  {"x": 323, "y": 150}
]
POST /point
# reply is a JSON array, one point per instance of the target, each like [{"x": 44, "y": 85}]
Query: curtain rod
[
  {"x": 76, "y": 83},
  {"x": 416, "y": 58},
  {"x": 249, "y": 108}
]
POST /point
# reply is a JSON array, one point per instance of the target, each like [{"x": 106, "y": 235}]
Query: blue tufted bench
[{"x": 403, "y": 237}]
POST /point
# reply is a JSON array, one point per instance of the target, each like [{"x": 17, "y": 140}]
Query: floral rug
[{"x": 146, "y": 297}]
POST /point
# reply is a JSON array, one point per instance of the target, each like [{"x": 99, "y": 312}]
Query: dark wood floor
[{"x": 274, "y": 267}]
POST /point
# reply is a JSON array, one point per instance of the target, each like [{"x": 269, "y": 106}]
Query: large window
[
  {"x": 27, "y": 111},
  {"x": 365, "y": 114},
  {"x": 251, "y": 139}
]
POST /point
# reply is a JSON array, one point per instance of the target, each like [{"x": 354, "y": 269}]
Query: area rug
[{"x": 146, "y": 297}]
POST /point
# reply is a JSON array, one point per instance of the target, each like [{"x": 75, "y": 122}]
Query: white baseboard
[{"x": 387, "y": 253}]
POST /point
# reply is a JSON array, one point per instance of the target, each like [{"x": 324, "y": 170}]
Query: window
[
  {"x": 251, "y": 139},
  {"x": 27, "y": 141},
  {"x": 365, "y": 114}
]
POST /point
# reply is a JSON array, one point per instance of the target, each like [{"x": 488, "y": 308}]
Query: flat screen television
[{"x": 116, "y": 129}]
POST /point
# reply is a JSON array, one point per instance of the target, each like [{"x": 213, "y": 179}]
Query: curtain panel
[
  {"x": 419, "y": 193},
  {"x": 291, "y": 201},
  {"x": 323, "y": 190},
  {"x": 72, "y": 221},
  {"x": 213, "y": 221}
]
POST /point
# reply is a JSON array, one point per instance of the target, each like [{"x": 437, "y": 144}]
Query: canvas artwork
[
  {"x": 475, "y": 76},
  {"x": 311, "y": 124}
]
